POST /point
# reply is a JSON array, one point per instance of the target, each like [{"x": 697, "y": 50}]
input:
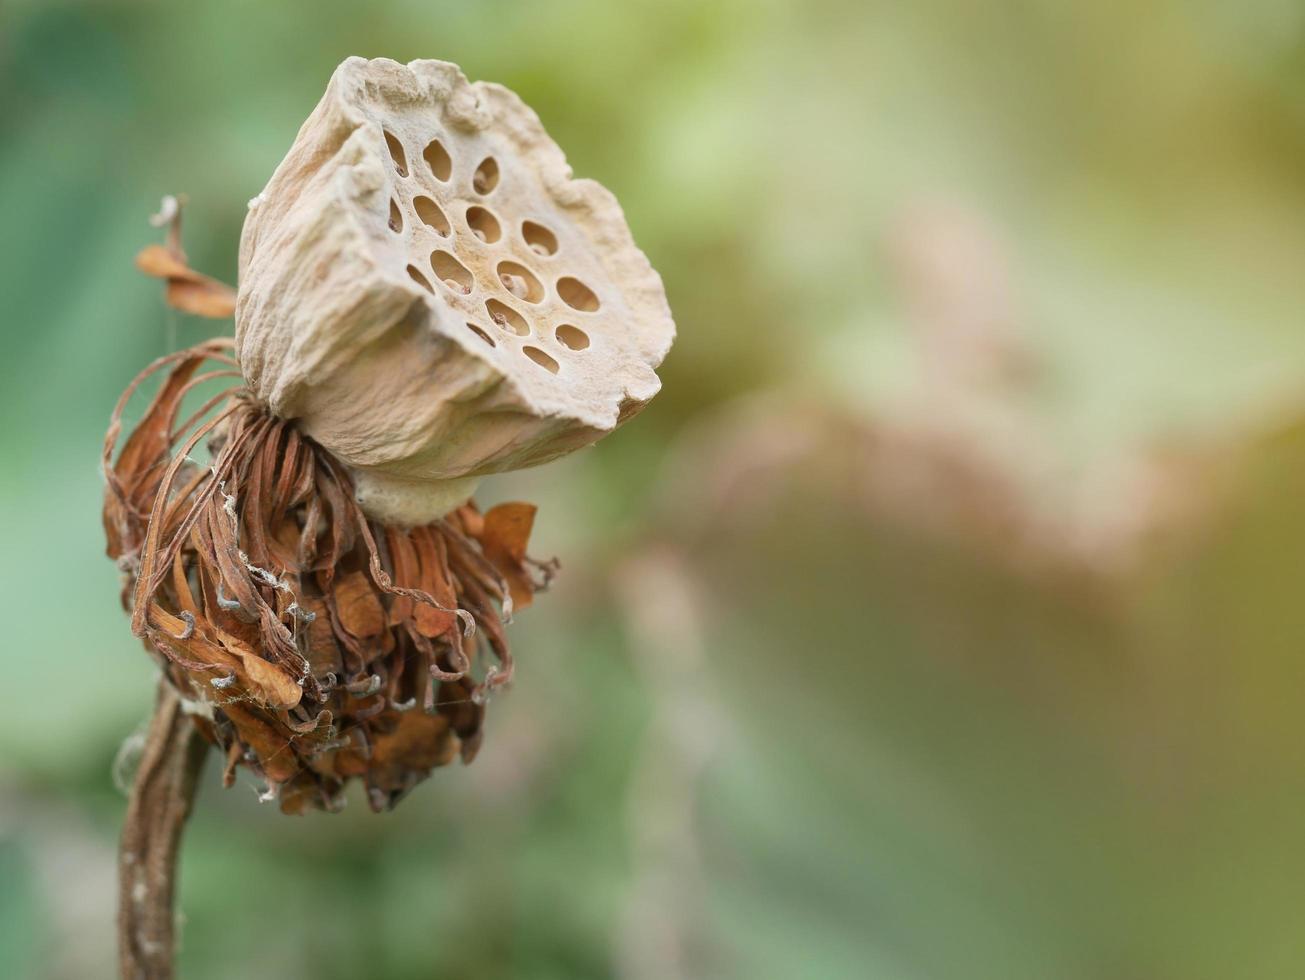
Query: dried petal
[
  {"x": 358, "y": 607},
  {"x": 188, "y": 291},
  {"x": 506, "y": 532}
]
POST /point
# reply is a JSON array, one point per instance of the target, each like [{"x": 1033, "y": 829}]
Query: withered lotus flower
[{"x": 426, "y": 296}]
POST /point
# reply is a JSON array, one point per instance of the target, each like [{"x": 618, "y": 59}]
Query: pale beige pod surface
[{"x": 425, "y": 287}]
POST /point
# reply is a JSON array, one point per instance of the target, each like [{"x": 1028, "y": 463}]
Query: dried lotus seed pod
[{"x": 430, "y": 294}]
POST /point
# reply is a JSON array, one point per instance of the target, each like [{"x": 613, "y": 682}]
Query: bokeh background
[{"x": 942, "y": 618}]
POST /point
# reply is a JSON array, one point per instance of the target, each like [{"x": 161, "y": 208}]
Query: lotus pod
[{"x": 429, "y": 293}]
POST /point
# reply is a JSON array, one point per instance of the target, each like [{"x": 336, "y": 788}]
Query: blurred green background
[{"x": 942, "y": 617}]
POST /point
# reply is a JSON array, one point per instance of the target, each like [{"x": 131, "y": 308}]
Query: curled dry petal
[
  {"x": 187, "y": 290},
  {"x": 358, "y": 607}
]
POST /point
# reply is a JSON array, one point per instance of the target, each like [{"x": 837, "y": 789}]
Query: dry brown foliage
[{"x": 312, "y": 644}]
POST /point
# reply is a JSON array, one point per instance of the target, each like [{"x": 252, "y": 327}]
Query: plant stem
[{"x": 160, "y": 802}]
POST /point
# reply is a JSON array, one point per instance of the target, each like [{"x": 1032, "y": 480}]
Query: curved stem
[{"x": 160, "y": 802}]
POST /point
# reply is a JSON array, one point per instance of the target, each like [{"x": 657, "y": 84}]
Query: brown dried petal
[
  {"x": 432, "y": 622},
  {"x": 262, "y": 734},
  {"x": 188, "y": 290},
  {"x": 323, "y": 651},
  {"x": 504, "y": 538},
  {"x": 418, "y": 741},
  {"x": 259, "y": 679},
  {"x": 358, "y": 607}
]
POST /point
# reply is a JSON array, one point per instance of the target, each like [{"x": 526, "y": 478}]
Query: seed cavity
[
  {"x": 507, "y": 318},
  {"x": 396, "y": 153},
  {"x": 577, "y": 295},
  {"x": 540, "y": 358},
  {"x": 437, "y": 158},
  {"x": 483, "y": 225},
  {"x": 396, "y": 216},
  {"x": 540, "y": 240},
  {"x": 520, "y": 282},
  {"x": 571, "y": 337},
  {"x": 419, "y": 279},
  {"x": 450, "y": 270},
  {"x": 429, "y": 212},
  {"x": 481, "y": 334},
  {"x": 486, "y": 176}
]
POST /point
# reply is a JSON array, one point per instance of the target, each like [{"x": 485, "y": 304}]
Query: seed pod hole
[
  {"x": 486, "y": 176},
  {"x": 540, "y": 358},
  {"x": 540, "y": 239},
  {"x": 481, "y": 334},
  {"x": 396, "y": 153},
  {"x": 507, "y": 318},
  {"x": 577, "y": 295},
  {"x": 520, "y": 282},
  {"x": 437, "y": 158},
  {"x": 429, "y": 212},
  {"x": 396, "y": 216},
  {"x": 450, "y": 270},
  {"x": 571, "y": 337},
  {"x": 483, "y": 225},
  {"x": 419, "y": 279}
]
